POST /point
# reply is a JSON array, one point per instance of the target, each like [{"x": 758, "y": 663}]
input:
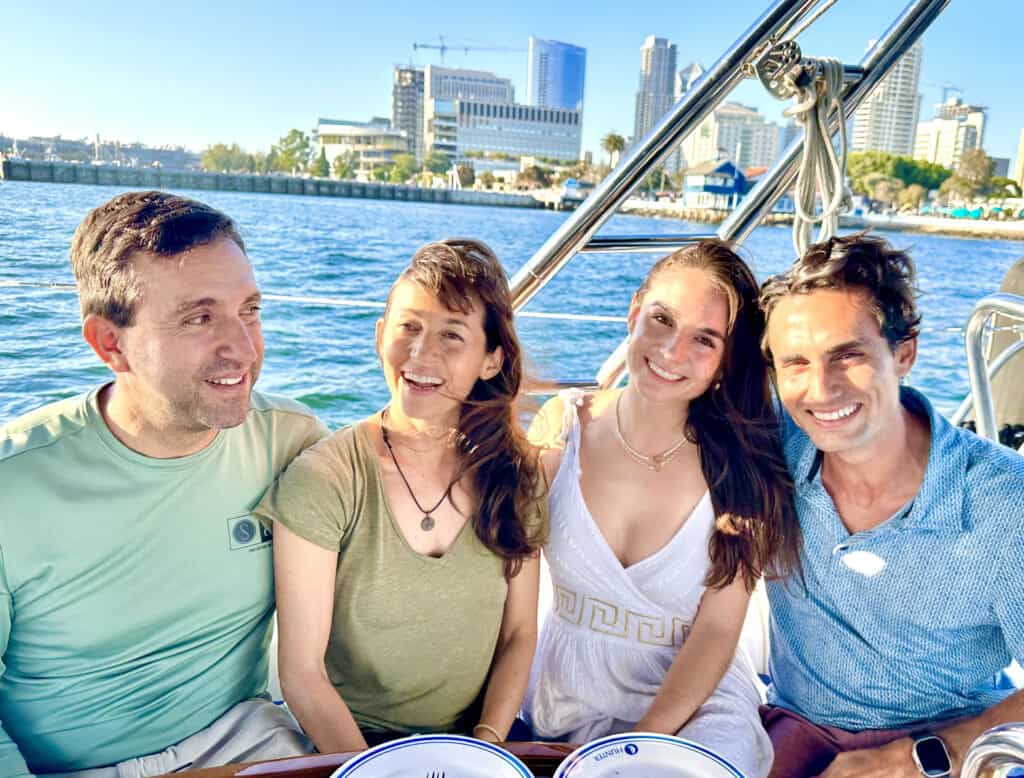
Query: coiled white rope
[{"x": 821, "y": 169}]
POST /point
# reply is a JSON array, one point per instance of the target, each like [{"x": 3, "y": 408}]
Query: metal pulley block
[{"x": 780, "y": 68}]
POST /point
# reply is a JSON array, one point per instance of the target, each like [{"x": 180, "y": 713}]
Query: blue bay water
[{"x": 333, "y": 247}]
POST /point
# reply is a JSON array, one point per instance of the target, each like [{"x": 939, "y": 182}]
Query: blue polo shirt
[{"x": 912, "y": 620}]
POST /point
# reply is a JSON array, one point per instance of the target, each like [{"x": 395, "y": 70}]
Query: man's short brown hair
[
  {"x": 864, "y": 263},
  {"x": 157, "y": 223}
]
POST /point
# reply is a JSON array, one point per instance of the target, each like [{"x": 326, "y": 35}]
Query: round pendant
[{"x": 427, "y": 522}]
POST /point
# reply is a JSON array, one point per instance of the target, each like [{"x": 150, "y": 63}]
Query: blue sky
[{"x": 197, "y": 73}]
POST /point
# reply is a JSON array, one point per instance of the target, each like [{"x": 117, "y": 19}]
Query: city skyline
[{"x": 183, "y": 82}]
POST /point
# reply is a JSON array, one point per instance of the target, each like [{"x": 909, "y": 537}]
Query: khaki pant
[{"x": 251, "y": 730}]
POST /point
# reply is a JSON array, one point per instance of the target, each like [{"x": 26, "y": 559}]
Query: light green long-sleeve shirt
[{"x": 136, "y": 594}]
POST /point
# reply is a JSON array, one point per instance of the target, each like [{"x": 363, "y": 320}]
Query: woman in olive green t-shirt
[{"x": 405, "y": 546}]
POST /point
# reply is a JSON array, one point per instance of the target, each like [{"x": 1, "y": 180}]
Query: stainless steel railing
[
  {"x": 995, "y": 753},
  {"x": 708, "y": 91},
  {"x": 981, "y": 385}
]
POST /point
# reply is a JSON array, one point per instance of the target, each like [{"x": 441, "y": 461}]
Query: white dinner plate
[
  {"x": 453, "y": 756},
  {"x": 644, "y": 755}
]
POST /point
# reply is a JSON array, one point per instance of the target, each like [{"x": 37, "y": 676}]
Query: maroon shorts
[{"x": 804, "y": 749}]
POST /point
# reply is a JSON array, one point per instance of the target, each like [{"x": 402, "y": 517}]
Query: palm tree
[{"x": 613, "y": 144}]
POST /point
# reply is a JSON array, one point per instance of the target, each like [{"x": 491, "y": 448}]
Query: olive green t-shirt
[{"x": 412, "y": 636}]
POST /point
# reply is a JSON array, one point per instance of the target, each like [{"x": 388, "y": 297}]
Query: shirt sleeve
[
  {"x": 1009, "y": 593},
  {"x": 315, "y": 497},
  {"x": 12, "y": 763}
]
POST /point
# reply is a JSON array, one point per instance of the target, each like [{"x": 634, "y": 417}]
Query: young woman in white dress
[{"x": 668, "y": 500}]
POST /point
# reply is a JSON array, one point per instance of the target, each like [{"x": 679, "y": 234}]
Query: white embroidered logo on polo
[{"x": 866, "y": 563}]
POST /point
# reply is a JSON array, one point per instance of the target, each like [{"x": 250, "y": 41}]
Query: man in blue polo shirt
[{"x": 911, "y": 600}]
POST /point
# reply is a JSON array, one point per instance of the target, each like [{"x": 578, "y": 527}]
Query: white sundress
[{"x": 613, "y": 632}]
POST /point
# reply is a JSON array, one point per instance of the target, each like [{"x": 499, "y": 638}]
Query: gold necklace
[{"x": 652, "y": 461}]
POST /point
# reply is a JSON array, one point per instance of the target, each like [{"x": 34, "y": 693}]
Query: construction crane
[
  {"x": 441, "y": 46},
  {"x": 946, "y": 88}
]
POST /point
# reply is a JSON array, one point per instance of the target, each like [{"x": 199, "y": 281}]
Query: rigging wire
[
  {"x": 810, "y": 19},
  {"x": 342, "y": 302}
]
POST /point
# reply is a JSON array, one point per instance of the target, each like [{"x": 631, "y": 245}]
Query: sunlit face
[
  {"x": 195, "y": 348},
  {"x": 432, "y": 356},
  {"x": 677, "y": 336},
  {"x": 837, "y": 375}
]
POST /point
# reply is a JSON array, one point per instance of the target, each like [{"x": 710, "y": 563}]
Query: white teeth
[
  {"x": 842, "y": 413},
  {"x": 226, "y": 381},
  {"x": 423, "y": 379},
  {"x": 663, "y": 373}
]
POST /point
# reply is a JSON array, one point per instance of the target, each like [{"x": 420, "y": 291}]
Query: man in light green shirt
[{"x": 136, "y": 590}]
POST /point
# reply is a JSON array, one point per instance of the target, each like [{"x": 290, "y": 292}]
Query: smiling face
[
  {"x": 432, "y": 356},
  {"x": 837, "y": 375},
  {"x": 677, "y": 336},
  {"x": 188, "y": 362}
]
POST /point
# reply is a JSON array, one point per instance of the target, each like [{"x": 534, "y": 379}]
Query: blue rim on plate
[
  {"x": 415, "y": 740},
  {"x": 564, "y": 769}
]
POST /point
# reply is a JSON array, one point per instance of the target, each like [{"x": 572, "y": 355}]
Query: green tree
[
  {"x": 976, "y": 169},
  {"x": 533, "y": 177},
  {"x": 613, "y": 144},
  {"x": 403, "y": 169},
  {"x": 344, "y": 166},
  {"x": 863, "y": 164},
  {"x": 266, "y": 163},
  {"x": 220, "y": 157},
  {"x": 466, "y": 175},
  {"x": 1005, "y": 187},
  {"x": 913, "y": 196},
  {"x": 293, "y": 152},
  {"x": 437, "y": 162},
  {"x": 319, "y": 166},
  {"x": 957, "y": 188},
  {"x": 381, "y": 173},
  {"x": 487, "y": 179}
]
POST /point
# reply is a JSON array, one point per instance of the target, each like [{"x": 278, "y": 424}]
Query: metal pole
[
  {"x": 655, "y": 147},
  {"x": 981, "y": 386}
]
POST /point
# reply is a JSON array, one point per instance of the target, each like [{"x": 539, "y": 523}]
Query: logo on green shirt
[{"x": 244, "y": 532}]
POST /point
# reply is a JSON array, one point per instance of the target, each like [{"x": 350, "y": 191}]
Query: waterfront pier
[{"x": 157, "y": 178}]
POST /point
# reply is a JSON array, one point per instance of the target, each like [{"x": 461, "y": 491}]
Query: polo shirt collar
[{"x": 939, "y": 503}]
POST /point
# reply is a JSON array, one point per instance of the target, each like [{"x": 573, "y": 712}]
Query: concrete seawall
[{"x": 156, "y": 178}]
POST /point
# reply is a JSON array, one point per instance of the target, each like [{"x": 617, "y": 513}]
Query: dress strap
[{"x": 572, "y": 399}]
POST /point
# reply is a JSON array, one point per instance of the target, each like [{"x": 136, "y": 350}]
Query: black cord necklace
[{"x": 427, "y": 522}]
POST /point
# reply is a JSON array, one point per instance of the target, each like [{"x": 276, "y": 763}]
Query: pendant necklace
[
  {"x": 652, "y": 461},
  {"x": 427, "y": 522}
]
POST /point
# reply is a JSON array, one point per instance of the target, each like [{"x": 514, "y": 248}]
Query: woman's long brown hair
[
  {"x": 736, "y": 426},
  {"x": 464, "y": 273}
]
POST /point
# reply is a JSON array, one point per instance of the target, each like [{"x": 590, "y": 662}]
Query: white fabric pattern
[{"x": 613, "y": 632}]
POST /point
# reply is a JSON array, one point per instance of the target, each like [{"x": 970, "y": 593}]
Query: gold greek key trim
[{"x": 609, "y": 619}]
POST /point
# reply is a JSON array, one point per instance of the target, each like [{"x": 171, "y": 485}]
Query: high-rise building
[
  {"x": 684, "y": 80},
  {"x": 1018, "y": 170},
  {"x": 407, "y": 106},
  {"x": 734, "y": 132},
  {"x": 887, "y": 119},
  {"x": 442, "y": 86},
  {"x": 468, "y": 111},
  {"x": 556, "y": 75},
  {"x": 686, "y": 77},
  {"x": 655, "y": 94},
  {"x": 956, "y": 128}
]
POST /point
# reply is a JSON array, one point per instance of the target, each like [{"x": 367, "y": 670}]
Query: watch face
[{"x": 932, "y": 757}]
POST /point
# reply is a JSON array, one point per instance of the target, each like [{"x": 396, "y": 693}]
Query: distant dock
[{"x": 157, "y": 178}]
